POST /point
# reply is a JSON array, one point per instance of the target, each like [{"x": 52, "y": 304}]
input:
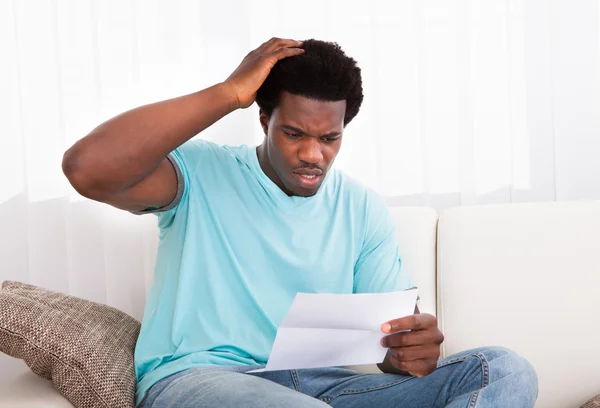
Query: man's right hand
[{"x": 256, "y": 66}]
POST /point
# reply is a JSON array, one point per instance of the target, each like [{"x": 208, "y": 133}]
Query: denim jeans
[{"x": 479, "y": 378}]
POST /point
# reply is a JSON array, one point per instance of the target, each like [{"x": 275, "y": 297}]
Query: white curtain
[{"x": 466, "y": 102}]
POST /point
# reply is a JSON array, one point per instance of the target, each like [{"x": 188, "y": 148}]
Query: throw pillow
[
  {"x": 593, "y": 403},
  {"x": 85, "y": 348}
]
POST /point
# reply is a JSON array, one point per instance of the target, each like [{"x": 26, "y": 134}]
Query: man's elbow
[{"x": 80, "y": 178}]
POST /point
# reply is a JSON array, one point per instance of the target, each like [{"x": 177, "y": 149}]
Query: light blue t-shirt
[{"x": 235, "y": 249}]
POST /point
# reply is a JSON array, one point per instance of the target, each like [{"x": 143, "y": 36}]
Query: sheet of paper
[{"x": 322, "y": 330}]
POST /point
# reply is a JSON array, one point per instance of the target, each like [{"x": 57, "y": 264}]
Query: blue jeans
[{"x": 479, "y": 378}]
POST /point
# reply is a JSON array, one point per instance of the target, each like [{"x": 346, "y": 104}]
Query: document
[{"x": 323, "y": 330}]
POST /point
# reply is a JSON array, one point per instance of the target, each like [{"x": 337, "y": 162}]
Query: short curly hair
[{"x": 323, "y": 72}]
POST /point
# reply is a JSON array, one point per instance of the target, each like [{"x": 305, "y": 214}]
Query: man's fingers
[
  {"x": 418, "y": 368},
  {"x": 267, "y": 44},
  {"x": 419, "y": 321},
  {"x": 287, "y": 52},
  {"x": 275, "y": 44},
  {"x": 413, "y": 338},
  {"x": 412, "y": 353}
]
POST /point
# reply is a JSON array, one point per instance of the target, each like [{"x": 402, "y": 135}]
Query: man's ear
[{"x": 264, "y": 122}]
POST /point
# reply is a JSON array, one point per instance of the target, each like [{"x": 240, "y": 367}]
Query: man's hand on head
[
  {"x": 414, "y": 345},
  {"x": 256, "y": 66}
]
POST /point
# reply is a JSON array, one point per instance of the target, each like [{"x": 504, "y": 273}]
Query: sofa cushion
[
  {"x": 416, "y": 230},
  {"x": 85, "y": 348}
]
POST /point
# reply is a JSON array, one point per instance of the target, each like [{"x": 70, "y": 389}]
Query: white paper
[{"x": 323, "y": 330}]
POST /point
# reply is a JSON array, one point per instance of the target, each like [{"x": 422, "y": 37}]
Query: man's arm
[
  {"x": 414, "y": 341},
  {"x": 123, "y": 161}
]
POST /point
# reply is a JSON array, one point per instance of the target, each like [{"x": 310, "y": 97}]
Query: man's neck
[{"x": 267, "y": 168}]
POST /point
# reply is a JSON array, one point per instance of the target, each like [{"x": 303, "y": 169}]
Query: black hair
[{"x": 323, "y": 72}]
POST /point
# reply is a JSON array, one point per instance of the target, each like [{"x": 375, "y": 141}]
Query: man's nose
[{"x": 310, "y": 151}]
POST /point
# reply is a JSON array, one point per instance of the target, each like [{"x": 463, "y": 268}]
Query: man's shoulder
[
  {"x": 211, "y": 152},
  {"x": 198, "y": 145},
  {"x": 353, "y": 187}
]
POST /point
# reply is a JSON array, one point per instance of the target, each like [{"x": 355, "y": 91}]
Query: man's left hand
[{"x": 416, "y": 351}]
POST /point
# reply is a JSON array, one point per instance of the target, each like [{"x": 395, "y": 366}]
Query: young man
[{"x": 243, "y": 229}]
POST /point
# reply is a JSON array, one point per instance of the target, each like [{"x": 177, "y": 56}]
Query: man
[{"x": 243, "y": 229}]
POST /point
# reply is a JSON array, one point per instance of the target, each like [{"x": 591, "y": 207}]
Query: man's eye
[
  {"x": 294, "y": 135},
  {"x": 330, "y": 139}
]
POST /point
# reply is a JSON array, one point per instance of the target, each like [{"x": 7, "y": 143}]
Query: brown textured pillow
[
  {"x": 85, "y": 348},
  {"x": 593, "y": 403}
]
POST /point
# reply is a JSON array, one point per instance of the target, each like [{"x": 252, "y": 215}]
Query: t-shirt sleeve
[
  {"x": 184, "y": 159},
  {"x": 379, "y": 267}
]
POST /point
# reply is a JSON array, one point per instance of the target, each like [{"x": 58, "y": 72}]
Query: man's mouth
[{"x": 309, "y": 178}]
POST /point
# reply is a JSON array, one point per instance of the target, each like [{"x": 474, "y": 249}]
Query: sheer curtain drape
[{"x": 466, "y": 102}]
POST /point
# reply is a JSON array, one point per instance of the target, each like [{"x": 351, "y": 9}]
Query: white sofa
[{"x": 523, "y": 276}]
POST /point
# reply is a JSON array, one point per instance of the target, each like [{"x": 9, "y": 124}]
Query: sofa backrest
[
  {"x": 416, "y": 229},
  {"x": 526, "y": 277}
]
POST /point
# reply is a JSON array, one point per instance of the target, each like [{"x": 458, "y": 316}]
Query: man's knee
[
  {"x": 486, "y": 365},
  {"x": 506, "y": 364},
  {"x": 511, "y": 362}
]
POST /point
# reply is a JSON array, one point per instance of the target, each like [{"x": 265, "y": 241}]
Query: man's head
[{"x": 305, "y": 103}]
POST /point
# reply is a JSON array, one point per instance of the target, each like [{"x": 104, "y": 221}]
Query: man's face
[{"x": 303, "y": 136}]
